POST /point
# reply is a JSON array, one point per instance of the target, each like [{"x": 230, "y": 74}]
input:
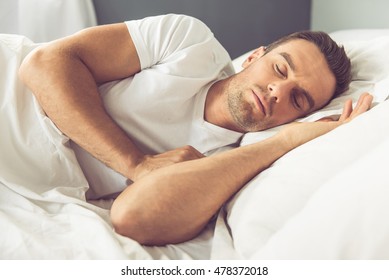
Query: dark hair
[{"x": 334, "y": 54}]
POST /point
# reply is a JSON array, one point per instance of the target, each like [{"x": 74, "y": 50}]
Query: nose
[{"x": 278, "y": 90}]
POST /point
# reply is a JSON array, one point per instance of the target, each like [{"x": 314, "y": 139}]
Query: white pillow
[
  {"x": 347, "y": 218},
  {"x": 266, "y": 204},
  {"x": 370, "y": 72}
]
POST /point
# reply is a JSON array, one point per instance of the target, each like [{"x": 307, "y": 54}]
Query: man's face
[{"x": 288, "y": 82}]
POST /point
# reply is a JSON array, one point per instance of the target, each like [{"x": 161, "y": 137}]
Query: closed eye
[
  {"x": 300, "y": 100},
  {"x": 280, "y": 72},
  {"x": 296, "y": 102}
]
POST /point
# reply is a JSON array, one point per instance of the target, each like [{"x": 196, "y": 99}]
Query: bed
[{"x": 327, "y": 199}]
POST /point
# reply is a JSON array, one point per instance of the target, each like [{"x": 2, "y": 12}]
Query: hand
[
  {"x": 363, "y": 105},
  {"x": 296, "y": 134},
  {"x": 152, "y": 162}
]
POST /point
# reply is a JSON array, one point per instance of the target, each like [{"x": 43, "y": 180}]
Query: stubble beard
[{"x": 242, "y": 112}]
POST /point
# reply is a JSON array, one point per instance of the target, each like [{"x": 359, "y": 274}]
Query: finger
[
  {"x": 363, "y": 104},
  {"x": 189, "y": 152},
  {"x": 347, "y": 110},
  {"x": 194, "y": 151},
  {"x": 325, "y": 119},
  {"x": 331, "y": 118},
  {"x": 198, "y": 154},
  {"x": 360, "y": 101}
]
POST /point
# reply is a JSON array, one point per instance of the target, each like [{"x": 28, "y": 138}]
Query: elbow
[
  {"x": 25, "y": 68},
  {"x": 134, "y": 224},
  {"x": 42, "y": 68},
  {"x": 150, "y": 218},
  {"x": 148, "y": 226},
  {"x": 31, "y": 67},
  {"x": 126, "y": 224}
]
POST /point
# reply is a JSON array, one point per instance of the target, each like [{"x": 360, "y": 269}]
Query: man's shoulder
[
  {"x": 184, "y": 21},
  {"x": 181, "y": 41},
  {"x": 184, "y": 26},
  {"x": 179, "y": 25}
]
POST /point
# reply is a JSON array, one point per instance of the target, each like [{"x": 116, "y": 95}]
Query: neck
[{"x": 216, "y": 106}]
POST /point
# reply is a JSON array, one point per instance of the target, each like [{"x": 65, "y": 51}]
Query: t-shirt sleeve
[{"x": 183, "y": 40}]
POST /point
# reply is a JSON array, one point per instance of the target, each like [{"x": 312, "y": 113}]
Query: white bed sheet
[{"x": 43, "y": 211}]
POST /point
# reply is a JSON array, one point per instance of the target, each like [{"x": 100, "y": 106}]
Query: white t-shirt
[{"x": 162, "y": 107}]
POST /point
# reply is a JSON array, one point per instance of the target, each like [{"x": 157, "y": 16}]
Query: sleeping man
[{"x": 147, "y": 102}]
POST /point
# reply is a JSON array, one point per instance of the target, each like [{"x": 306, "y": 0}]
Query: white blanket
[{"x": 43, "y": 211}]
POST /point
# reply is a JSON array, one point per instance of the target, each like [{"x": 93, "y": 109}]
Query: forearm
[
  {"x": 173, "y": 204},
  {"x": 67, "y": 92}
]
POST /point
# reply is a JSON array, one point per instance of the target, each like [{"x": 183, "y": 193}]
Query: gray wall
[
  {"x": 333, "y": 15},
  {"x": 240, "y": 25}
]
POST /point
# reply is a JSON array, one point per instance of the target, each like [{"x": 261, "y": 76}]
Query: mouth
[{"x": 259, "y": 103}]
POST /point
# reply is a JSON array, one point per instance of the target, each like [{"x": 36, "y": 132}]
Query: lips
[{"x": 259, "y": 103}]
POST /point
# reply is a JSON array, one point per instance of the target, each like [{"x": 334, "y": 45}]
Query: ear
[{"x": 254, "y": 56}]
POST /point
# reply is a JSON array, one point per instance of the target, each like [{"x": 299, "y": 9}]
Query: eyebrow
[
  {"x": 292, "y": 66},
  {"x": 289, "y": 60}
]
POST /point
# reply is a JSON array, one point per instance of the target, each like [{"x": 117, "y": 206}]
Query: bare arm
[
  {"x": 64, "y": 75},
  {"x": 173, "y": 204}
]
